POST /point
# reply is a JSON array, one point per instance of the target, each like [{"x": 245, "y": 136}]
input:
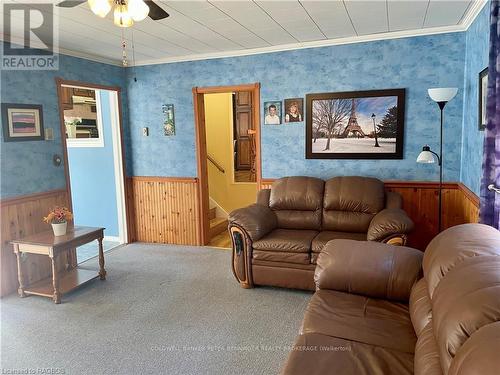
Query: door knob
[{"x": 492, "y": 187}]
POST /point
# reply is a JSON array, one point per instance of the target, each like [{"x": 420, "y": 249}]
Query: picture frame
[
  {"x": 294, "y": 110},
  {"x": 168, "y": 120},
  {"x": 22, "y": 122},
  {"x": 482, "y": 98},
  {"x": 343, "y": 125},
  {"x": 272, "y": 112}
]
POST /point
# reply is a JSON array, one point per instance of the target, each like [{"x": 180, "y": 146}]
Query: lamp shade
[
  {"x": 100, "y": 7},
  {"x": 426, "y": 156},
  {"x": 442, "y": 94},
  {"x": 138, "y": 9}
]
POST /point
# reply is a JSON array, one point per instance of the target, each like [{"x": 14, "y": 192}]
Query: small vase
[{"x": 59, "y": 228}]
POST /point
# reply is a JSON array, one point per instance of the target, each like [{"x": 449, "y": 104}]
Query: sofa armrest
[
  {"x": 368, "y": 268},
  {"x": 256, "y": 220},
  {"x": 387, "y": 223}
]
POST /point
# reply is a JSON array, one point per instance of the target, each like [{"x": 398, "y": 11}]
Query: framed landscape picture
[
  {"x": 22, "y": 122},
  {"x": 355, "y": 125},
  {"x": 483, "y": 91}
]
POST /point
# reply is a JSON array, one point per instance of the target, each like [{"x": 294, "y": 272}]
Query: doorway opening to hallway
[{"x": 228, "y": 140}]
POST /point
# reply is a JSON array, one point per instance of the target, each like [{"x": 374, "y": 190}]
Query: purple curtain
[{"x": 490, "y": 201}]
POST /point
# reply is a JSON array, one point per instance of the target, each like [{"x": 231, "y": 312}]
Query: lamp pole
[
  {"x": 440, "y": 162},
  {"x": 375, "y": 131}
]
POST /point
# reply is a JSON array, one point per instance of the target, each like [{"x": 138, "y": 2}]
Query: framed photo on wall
[
  {"x": 168, "y": 120},
  {"x": 22, "y": 122},
  {"x": 355, "y": 125},
  {"x": 272, "y": 113},
  {"x": 294, "y": 110},
  {"x": 483, "y": 92}
]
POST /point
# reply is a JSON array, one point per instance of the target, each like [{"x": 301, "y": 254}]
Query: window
[{"x": 82, "y": 117}]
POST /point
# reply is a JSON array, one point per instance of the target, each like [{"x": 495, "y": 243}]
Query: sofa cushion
[
  {"x": 316, "y": 354},
  {"x": 479, "y": 354},
  {"x": 455, "y": 245},
  {"x": 353, "y": 317},
  {"x": 279, "y": 256},
  {"x": 323, "y": 237},
  {"x": 420, "y": 306},
  {"x": 351, "y": 202},
  {"x": 286, "y": 240},
  {"x": 297, "y": 193},
  {"x": 467, "y": 299},
  {"x": 427, "y": 354},
  {"x": 291, "y": 219},
  {"x": 297, "y": 202}
]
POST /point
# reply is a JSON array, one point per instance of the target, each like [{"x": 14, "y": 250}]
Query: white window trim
[{"x": 91, "y": 142}]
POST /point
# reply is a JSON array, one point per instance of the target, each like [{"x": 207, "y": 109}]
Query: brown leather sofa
[
  {"x": 277, "y": 240},
  {"x": 370, "y": 315}
]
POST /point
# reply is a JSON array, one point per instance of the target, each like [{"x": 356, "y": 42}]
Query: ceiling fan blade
[
  {"x": 155, "y": 12},
  {"x": 70, "y": 3}
]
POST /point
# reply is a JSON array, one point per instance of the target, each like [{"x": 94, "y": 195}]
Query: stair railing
[{"x": 217, "y": 165}]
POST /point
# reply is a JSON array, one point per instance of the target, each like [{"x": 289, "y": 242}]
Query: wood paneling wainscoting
[
  {"x": 420, "y": 201},
  {"x": 164, "y": 210},
  {"x": 22, "y": 216}
]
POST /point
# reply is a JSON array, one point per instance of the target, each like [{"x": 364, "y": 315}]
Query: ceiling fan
[{"x": 125, "y": 11}]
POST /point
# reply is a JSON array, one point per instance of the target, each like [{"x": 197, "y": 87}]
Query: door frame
[
  {"x": 120, "y": 174},
  {"x": 201, "y": 146}
]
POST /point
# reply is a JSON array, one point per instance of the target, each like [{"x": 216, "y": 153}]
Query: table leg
[
  {"x": 20, "y": 277},
  {"x": 55, "y": 281},
  {"x": 102, "y": 271}
]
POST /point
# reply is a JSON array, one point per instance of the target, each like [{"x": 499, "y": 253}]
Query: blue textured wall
[
  {"x": 26, "y": 167},
  {"x": 92, "y": 176},
  {"x": 413, "y": 63},
  {"x": 477, "y": 39}
]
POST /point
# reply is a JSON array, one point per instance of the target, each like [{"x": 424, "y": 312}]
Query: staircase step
[
  {"x": 211, "y": 213},
  {"x": 217, "y": 225}
]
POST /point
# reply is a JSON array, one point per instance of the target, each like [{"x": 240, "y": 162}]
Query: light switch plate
[
  {"x": 49, "y": 134},
  {"x": 145, "y": 131}
]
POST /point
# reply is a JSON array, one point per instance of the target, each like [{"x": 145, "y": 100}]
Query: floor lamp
[{"x": 441, "y": 96}]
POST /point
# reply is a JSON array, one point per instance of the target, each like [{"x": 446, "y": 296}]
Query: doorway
[
  {"x": 92, "y": 144},
  {"x": 228, "y": 154}
]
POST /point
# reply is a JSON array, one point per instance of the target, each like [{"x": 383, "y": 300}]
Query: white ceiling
[{"x": 214, "y": 28}]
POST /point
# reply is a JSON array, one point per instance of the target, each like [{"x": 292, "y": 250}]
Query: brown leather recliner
[
  {"x": 277, "y": 240},
  {"x": 370, "y": 315}
]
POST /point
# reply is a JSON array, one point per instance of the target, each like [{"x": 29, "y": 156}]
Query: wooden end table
[{"x": 45, "y": 243}]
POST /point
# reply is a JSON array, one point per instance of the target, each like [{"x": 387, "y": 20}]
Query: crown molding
[{"x": 473, "y": 11}]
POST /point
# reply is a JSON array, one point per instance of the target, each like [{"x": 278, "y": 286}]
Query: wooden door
[{"x": 243, "y": 122}]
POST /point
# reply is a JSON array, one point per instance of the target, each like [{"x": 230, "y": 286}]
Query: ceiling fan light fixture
[
  {"x": 100, "y": 8},
  {"x": 122, "y": 17},
  {"x": 138, "y": 9}
]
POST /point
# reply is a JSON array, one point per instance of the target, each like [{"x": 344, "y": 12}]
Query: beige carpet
[{"x": 163, "y": 310}]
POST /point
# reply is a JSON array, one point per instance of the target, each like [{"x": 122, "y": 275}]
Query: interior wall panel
[{"x": 22, "y": 216}]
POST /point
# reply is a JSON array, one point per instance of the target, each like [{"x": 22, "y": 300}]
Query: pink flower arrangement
[{"x": 58, "y": 215}]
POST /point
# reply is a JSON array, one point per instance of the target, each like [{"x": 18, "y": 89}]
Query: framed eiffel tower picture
[{"x": 355, "y": 125}]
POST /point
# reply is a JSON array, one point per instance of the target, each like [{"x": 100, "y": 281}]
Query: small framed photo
[
  {"x": 294, "y": 110},
  {"x": 22, "y": 122},
  {"x": 483, "y": 91},
  {"x": 272, "y": 113},
  {"x": 168, "y": 120}
]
